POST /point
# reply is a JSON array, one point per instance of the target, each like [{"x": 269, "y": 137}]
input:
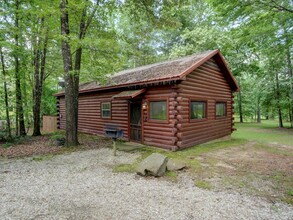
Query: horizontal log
[
  {"x": 206, "y": 133},
  {"x": 189, "y": 143},
  {"x": 158, "y": 141},
  {"x": 208, "y": 76},
  {"x": 159, "y": 96},
  {"x": 161, "y": 145},
  {"x": 162, "y": 125},
  {"x": 204, "y": 95},
  {"x": 210, "y": 70},
  {"x": 151, "y": 133},
  {"x": 208, "y": 84},
  {"x": 192, "y": 142},
  {"x": 195, "y": 89}
]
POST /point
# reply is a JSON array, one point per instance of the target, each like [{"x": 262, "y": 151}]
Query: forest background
[{"x": 45, "y": 42}]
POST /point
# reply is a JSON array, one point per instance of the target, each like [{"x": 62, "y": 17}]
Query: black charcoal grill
[{"x": 112, "y": 131}]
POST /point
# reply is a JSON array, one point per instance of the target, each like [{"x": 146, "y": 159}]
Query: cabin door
[{"x": 135, "y": 121}]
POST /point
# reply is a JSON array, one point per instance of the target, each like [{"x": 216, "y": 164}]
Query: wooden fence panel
[{"x": 50, "y": 123}]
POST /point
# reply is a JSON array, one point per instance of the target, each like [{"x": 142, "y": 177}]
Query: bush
[
  {"x": 58, "y": 139},
  {"x": 14, "y": 140},
  {"x": 2, "y": 135}
]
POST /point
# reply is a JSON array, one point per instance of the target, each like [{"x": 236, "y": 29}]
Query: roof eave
[
  {"x": 235, "y": 84},
  {"x": 149, "y": 82}
]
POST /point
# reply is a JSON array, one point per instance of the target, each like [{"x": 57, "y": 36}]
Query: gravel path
[{"x": 81, "y": 185}]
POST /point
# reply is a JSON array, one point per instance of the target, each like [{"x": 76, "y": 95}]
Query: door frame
[{"x": 129, "y": 120}]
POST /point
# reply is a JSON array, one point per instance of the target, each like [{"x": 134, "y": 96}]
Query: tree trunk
[
  {"x": 290, "y": 73},
  {"x": 5, "y": 96},
  {"x": 72, "y": 77},
  {"x": 278, "y": 101},
  {"x": 39, "y": 63},
  {"x": 258, "y": 110},
  {"x": 16, "y": 121},
  {"x": 19, "y": 107},
  {"x": 240, "y": 103},
  {"x": 71, "y": 100},
  {"x": 267, "y": 113},
  {"x": 36, "y": 93}
]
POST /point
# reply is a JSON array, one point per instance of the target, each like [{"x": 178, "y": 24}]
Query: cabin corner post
[
  {"x": 58, "y": 112},
  {"x": 175, "y": 117},
  {"x": 232, "y": 113},
  {"x": 144, "y": 117}
]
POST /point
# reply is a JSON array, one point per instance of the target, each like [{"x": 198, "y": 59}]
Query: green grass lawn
[{"x": 265, "y": 132}]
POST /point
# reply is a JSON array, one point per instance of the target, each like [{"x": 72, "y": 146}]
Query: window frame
[
  {"x": 205, "y": 110},
  {"x": 101, "y": 110},
  {"x": 225, "y": 109},
  {"x": 164, "y": 121}
]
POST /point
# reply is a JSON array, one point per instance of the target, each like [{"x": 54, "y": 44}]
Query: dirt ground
[
  {"x": 42, "y": 145},
  {"x": 256, "y": 169}
]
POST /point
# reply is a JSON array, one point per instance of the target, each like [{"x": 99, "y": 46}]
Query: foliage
[
  {"x": 15, "y": 140},
  {"x": 254, "y": 36},
  {"x": 56, "y": 136}
]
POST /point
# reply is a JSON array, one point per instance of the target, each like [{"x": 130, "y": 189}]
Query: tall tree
[
  {"x": 20, "y": 125},
  {"x": 71, "y": 73},
  {"x": 5, "y": 95},
  {"x": 40, "y": 53}
]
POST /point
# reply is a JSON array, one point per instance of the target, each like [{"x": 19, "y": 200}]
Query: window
[
  {"x": 158, "y": 110},
  {"x": 220, "y": 109},
  {"x": 197, "y": 110},
  {"x": 106, "y": 109}
]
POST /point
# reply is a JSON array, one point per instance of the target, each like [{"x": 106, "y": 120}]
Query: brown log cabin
[{"x": 173, "y": 104}]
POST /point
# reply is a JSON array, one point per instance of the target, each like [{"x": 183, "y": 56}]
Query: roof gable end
[{"x": 218, "y": 57}]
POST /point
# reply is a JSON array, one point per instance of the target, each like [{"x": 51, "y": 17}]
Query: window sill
[
  {"x": 221, "y": 117},
  {"x": 106, "y": 118},
  {"x": 197, "y": 120},
  {"x": 158, "y": 121}
]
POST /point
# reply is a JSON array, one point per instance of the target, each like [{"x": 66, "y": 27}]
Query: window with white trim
[{"x": 106, "y": 109}]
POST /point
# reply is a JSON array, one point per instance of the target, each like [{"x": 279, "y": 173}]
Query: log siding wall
[
  {"x": 206, "y": 83},
  {"x": 156, "y": 133},
  {"x": 89, "y": 113}
]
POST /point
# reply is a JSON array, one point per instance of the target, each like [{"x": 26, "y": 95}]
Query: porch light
[{"x": 145, "y": 105}]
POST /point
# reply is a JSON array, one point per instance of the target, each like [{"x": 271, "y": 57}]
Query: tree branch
[{"x": 273, "y": 4}]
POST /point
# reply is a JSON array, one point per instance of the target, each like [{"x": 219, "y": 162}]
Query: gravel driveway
[{"x": 81, "y": 185}]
